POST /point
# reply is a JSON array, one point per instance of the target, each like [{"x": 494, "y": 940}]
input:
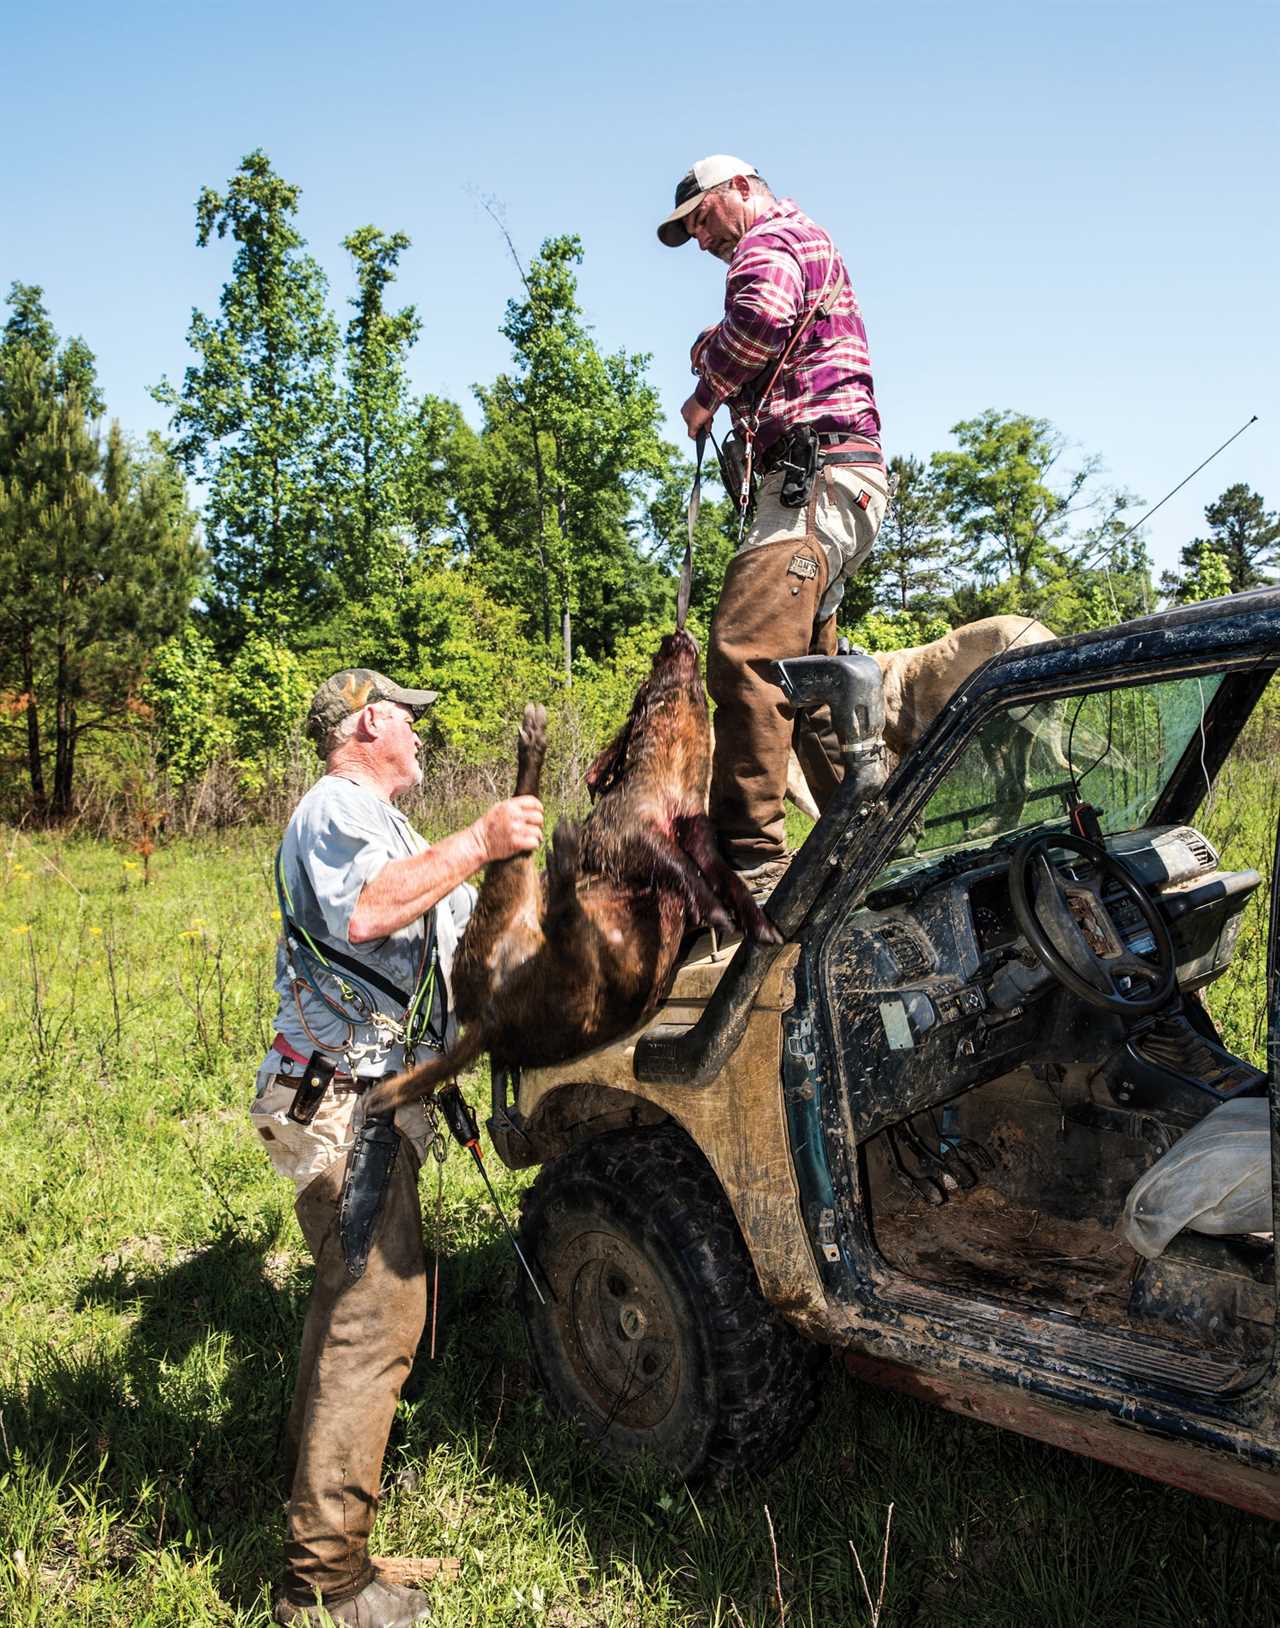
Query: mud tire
[{"x": 655, "y": 1338}]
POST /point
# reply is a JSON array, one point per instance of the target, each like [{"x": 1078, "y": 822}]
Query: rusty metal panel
[
  {"x": 738, "y": 1121},
  {"x": 1190, "y": 1467}
]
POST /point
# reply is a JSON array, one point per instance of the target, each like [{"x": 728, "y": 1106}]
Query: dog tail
[{"x": 420, "y": 1082}]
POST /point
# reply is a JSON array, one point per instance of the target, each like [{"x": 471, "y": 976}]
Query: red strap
[{"x": 281, "y": 1045}]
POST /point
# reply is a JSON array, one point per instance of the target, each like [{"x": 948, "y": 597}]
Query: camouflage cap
[{"x": 355, "y": 687}]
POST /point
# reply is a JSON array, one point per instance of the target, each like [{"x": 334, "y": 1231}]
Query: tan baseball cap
[
  {"x": 705, "y": 174},
  {"x": 355, "y": 687}
]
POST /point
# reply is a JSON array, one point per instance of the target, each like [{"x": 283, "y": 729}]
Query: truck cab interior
[{"x": 1050, "y": 1122}]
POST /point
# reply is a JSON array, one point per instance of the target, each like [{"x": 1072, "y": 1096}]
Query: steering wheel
[{"x": 1043, "y": 912}]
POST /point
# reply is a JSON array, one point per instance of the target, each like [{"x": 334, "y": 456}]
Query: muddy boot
[
  {"x": 378, "y": 1605},
  {"x": 762, "y": 879}
]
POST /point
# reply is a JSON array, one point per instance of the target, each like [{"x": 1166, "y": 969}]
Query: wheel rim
[{"x": 618, "y": 1326}]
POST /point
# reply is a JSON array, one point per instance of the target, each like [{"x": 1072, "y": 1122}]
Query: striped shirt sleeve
[{"x": 764, "y": 296}]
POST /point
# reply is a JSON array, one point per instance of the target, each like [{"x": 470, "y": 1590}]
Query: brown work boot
[
  {"x": 378, "y": 1605},
  {"x": 762, "y": 879}
]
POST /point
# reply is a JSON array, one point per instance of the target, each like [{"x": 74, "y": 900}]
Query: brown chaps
[
  {"x": 767, "y": 611},
  {"x": 358, "y": 1344}
]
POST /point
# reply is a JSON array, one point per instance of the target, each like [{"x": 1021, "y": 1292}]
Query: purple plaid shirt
[{"x": 774, "y": 278}]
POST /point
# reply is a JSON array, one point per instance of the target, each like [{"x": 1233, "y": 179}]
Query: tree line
[{"x": 342, "y": 519}]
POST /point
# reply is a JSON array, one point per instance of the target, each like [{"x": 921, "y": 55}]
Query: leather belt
[
  {"x": 339, "y": 1082},
  {"x": 835, "y": 447}
]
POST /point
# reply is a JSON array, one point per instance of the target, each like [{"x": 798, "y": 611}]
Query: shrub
[{"x": 186, "y": 691}]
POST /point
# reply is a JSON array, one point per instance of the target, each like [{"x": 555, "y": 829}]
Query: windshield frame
[
  {"x": 923, "y": 769},
  {"x": 1046, "y": 799}
]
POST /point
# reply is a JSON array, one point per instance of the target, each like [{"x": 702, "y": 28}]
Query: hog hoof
[
  {"x": 720, "y": 922},
  {"x": 533, "y": 730},
  {"x": 564, "y": 862},
  {"x": 756, "y": 925}
]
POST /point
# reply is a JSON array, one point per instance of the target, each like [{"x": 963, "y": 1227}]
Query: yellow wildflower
[{"x": 23, "y": 927}]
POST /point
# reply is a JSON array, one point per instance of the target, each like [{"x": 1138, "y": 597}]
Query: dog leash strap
[{"x": 695, "y": 505}]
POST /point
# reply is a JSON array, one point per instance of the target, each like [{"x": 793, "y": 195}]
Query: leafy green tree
[
  {"x": 896, "y": 630},
  {"x": 257, "y": 417},
  {"x": 379, "y": 421},
  {"x": 185, "y": 690},
  {"x": 1206, "y": 574},
  {"x": 441, "y": 458},
  {"x": 555, "y": 504},
  {"x": 267, "y": 694},
  {"x": 1242, "y": 533},
  {"x": 1094, "y": 588},
  {"x": 98, "y": 559},
  {"x": 453, "y": 637},
  {"x": 997, "y": 494},
  {"x": 913, "y": 549}
]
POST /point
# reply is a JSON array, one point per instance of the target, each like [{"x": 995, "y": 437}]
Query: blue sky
[{"x": 1066, "y": 209}]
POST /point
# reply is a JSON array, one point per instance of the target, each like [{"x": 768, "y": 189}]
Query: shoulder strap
[
  {"x": 832, "y": 284},
  {"x": 325, "y": 952},
  {"x": 361, "y": 969}
]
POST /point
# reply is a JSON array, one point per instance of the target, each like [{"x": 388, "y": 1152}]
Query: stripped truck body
[{"x": 910, "y": 1131}]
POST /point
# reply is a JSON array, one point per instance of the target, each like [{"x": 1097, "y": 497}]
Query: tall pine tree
[
  {"x": 1244, "y": 536},
  {"x": 379, "y": 421},
  {"x": 98, "y": 561},
  {"x": 257, "y": 419}
]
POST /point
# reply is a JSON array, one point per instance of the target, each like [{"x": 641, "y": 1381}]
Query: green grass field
[{"x": 151, "y": 1293}]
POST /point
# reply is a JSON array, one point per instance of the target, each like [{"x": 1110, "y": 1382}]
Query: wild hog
[{"x": 552, "y": 967}]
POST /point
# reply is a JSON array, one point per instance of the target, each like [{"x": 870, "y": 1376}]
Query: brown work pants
[
  {"x": 769, "y": 610},
  {"x": 358, "y": 1344}
]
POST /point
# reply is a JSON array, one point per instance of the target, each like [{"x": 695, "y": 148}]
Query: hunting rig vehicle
[{"x": 938, "y": 1128}]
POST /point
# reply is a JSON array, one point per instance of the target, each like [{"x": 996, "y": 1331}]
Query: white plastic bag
[{"x": 1215, "y": 1179}]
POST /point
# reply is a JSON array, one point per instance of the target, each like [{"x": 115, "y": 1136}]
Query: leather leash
[{"x": 695, "y": 505}]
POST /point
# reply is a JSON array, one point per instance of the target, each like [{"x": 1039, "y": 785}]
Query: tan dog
[{"x": 919, "y": 681}]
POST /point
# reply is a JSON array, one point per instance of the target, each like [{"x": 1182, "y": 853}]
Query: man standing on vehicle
[
  {"x": 789, "y": 358},
  {"x": 370, "y": 918}
]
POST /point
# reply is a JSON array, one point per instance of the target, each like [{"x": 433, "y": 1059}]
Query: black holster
[
  {"x": 364, "y": 1188},
  {"x": 316, "y": 1079},
  {"x": 798, "y": 460}
]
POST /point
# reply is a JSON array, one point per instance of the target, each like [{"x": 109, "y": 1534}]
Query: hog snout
[{"x": 678, "y": 649}]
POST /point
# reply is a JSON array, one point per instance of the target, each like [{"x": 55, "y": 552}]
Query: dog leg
[
  {"x": 695, "y": 835},
  {"x": 1006, "y": 749}
]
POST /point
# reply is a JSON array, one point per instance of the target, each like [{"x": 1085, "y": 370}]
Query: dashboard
[
  {"x": 932, "y": 986},
  {"x": 994, "y": 924}
]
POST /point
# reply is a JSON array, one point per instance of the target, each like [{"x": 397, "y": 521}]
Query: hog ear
[{"x": 608, "y": 766}]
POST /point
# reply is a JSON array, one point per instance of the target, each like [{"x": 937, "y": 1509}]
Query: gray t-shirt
[{"x": 339, "y": 838}]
